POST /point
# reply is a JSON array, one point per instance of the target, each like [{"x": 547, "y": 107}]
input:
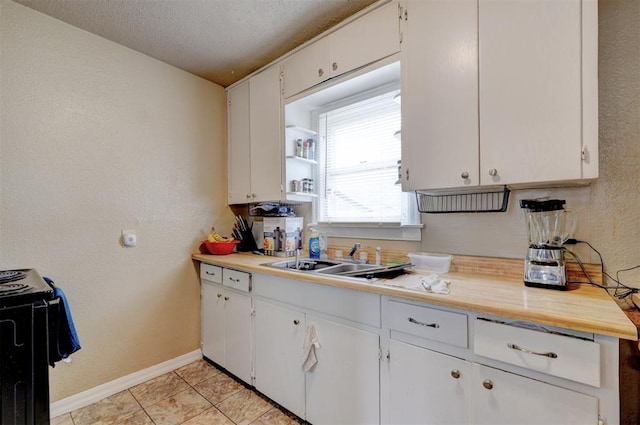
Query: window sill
[{"x": 383, "y": 231}]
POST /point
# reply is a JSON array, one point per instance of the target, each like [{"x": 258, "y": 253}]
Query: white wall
[
  {"x": 96, "y": 138},
  {"x": 608, "y": 210}
]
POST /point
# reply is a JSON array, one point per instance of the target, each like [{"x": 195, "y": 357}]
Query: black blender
[{"x": 549, "y": 226}]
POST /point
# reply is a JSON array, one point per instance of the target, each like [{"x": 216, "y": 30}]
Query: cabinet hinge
[
  {"x": 402, "y": 13},
  {"x": 584, "y": 153}
]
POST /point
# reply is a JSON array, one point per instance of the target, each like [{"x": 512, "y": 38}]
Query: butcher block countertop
[{"x": 482, "y": 285}]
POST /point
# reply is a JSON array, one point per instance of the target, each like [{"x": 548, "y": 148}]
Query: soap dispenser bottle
[{"x": 314, "y": 244}]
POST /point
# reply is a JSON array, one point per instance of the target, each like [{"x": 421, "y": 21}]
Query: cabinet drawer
[
  {"x": 425, "y": 322},
  {"x": 563, "y": 356},
  {"x": 210, "y": 273},
  {"x": 236, "y": 280}
]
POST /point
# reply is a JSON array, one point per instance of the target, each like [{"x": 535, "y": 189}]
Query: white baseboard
[{"x": 94, "y": 394}]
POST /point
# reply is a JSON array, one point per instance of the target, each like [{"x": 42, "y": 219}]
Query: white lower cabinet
[
  {"x": 226, "y": 323},
  {"x": 499, "y": 397},
  {"x": 432, "y": 388},
  {"x": 278, "y": 339},
  {"x": 426, "y": 387},
  {"x": 344, "y": 386}
]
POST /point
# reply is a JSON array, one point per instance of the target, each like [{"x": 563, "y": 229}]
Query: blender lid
[{"x": 538, "y": 205}]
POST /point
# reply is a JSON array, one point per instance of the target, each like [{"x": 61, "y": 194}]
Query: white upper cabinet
[
  {"x": 531, "y": 90},
  {"x": 369, "y": 38},
  {"x": 255, "y": 120},
  {"x": 499, "y": 92},
  {"x": 440, "y": 95}
]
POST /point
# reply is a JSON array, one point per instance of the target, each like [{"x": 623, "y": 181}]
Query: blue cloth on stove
[{"x": 63, "y": 338}]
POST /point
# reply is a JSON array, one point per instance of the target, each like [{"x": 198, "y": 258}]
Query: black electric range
[
  {"x": 27, "y": 312},
  {"x": 23, "y": 286}
]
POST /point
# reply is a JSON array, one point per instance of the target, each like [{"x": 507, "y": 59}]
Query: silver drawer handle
[
  {"x": 429, "y": 325},
  {"x": 210, "y": 274},
  {"x": 234, "y": 280},
  {"x": 549, "y": 354}
]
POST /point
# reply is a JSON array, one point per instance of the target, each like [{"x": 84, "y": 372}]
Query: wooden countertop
[{"x": 582, "y": 307}]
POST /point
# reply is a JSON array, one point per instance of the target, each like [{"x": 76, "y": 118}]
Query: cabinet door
[
  {"x": 239, "y": 145},
  {"x": 266, "y": 136},
  {"x": 427, "y": 387},
  {"x": 500, "y": 397},
  {"x": 440, "y": 138},
  {"x": 305, "y": 69},
  {"x": 279, "y": 335},
  {"x": 212, "y": 316},
  {"x": 530, "y": 91},
  {"x": 237, "y": 334},
  {"x": 369, "y": 38},
  {"x": 344, "y": 386}
]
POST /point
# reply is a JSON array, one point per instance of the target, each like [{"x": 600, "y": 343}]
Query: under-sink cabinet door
[
  {"x": 344, "y": 386},
  {"x": 500, "y": 397},
  {"x": 427, "y": 387},
  {"x": 279, "y": 335},
  {"x": 212, "y": 322}
]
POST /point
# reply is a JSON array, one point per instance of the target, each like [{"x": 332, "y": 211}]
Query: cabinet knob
[
  {"x": 253, "y": 195},
  {"x": 487, "y": 384},
  {"x": 296, "y": 322},
  {"x": 248, "y": 196},
  {"x": 455, "y": 373},
  {"x": 334, "y": 66},
  {"x": 219, "y": 295},
  {"x": 464, "y": 175},
  {"x": 226, "y": 298},
  {"x": 493, "y": 172},
  {"x": 320, "y": 72}
]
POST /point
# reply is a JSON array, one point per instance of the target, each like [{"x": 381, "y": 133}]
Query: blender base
[
  {"x": 545, "y": 274},
  {"x": 562, "y": 287}
]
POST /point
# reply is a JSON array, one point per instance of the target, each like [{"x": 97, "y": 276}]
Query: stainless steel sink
[
  {"x": 348, "y": 268},
  {"x": 341, "y": 268},
  {"x": 304, "y": 264}
]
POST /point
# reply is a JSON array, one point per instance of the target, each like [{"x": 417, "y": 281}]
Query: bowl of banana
[{"x": 219, "y": 245}]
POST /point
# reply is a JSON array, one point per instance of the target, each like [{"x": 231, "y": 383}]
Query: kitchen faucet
[{"x": 353, "y": 251}]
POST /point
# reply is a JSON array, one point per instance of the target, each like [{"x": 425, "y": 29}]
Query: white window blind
[{"x": 359, "y": 165}]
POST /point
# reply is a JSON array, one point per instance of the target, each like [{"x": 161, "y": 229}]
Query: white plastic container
[{"x": 427, "y": 262}]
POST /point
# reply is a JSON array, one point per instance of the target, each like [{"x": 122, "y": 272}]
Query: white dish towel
[{"x": 311, "y": 343}]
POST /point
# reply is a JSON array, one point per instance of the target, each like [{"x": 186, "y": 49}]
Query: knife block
[{"x": 248, "y": 242}]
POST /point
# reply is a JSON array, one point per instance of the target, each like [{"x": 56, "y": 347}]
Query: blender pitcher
[{"x": 548, "y": 223}]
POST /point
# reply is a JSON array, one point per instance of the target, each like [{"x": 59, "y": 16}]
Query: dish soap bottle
[{"x": 314, "y": 244}]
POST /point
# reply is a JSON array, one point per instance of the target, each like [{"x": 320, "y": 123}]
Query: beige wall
[
  {"x": 609, "y": 210},
  {"x": 96, "y": 138}
]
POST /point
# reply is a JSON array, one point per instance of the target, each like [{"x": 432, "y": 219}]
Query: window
[
  {"x": 359, "y": 168},
  {"x": 358, "y": 181}
]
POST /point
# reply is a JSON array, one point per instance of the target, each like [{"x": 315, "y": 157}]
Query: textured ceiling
[{"x": 219, "y": 40}]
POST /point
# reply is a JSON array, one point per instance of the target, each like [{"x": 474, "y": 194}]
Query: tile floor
[{"x": 195, "y": 394}]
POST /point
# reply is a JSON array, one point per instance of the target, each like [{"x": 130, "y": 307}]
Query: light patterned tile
[
  {"x": 276, "y": 416},
  {"x": 158, "y": 389},
  {"x": 244, "y": 407},
  {"x": 197, "y": 372},
  {"x": 62, "y": 420},
  {"x": 138, "y": 418},
  {"x": 109, "y": 410},
  {"x": 218, "y": 388},
  {"x": 210, "y": 417},
  {"x": 178, "y": 408}
]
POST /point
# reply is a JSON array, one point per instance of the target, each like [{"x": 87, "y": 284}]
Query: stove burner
[
  {"x": 12, "y": 288},
  {"x": 11, "y": 276}
]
